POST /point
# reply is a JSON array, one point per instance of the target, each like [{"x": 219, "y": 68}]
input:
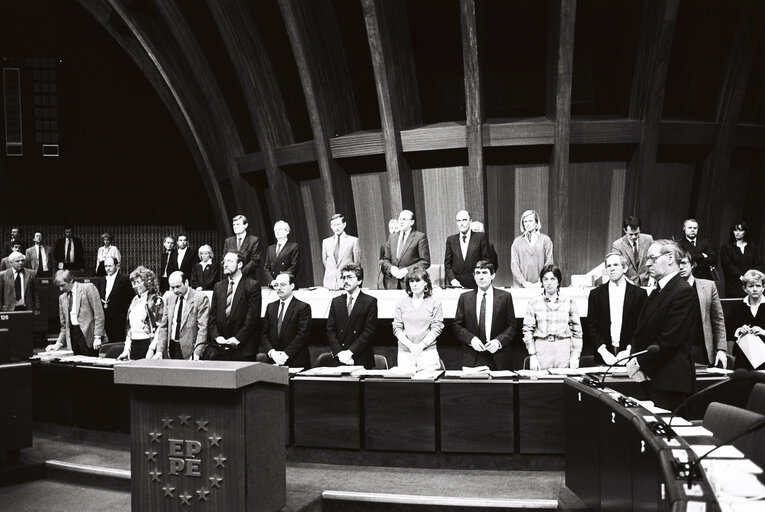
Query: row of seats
[{"x": 726, "y": 421}]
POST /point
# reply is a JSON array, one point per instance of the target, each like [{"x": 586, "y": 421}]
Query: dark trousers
[
  {"x": 668, "y": 400},
  {"x": 174, "y": 350},
  {"x": 138, "y": 349},
  {"x": 79, "y": 345}
]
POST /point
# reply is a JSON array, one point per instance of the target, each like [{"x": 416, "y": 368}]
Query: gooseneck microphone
[
  {"x": 694, "y": 467},
  {"x": 652, "y": 349}
]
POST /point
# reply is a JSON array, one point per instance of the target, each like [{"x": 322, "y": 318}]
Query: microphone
[
  {"x": 693, "y": 467},
  {"x": 738, "y": 375},
  {"x": 652, "y": 349}
]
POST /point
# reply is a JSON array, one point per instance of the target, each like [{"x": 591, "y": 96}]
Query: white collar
[{"x": 664, "y": 280}]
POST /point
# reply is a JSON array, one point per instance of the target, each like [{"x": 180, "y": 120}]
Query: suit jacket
[
  {"x": 90, "y": 315},
  {"x": 460, "y": 268},
  {"x": 116, "y": 305},
  {"x": 31, "y": 259},
  {"x": 205, "y": 278},
  {"x": 4, "y": 264},
  {"x": 243, "y": 321},
  {"x": 597, "y": 325},
  {"x": 354, "y": 332},
  {"x": 287, "y": 261},
  {"x": 251, "y": 251},
  {"x": 7, "y": 246},
  {"x": 193, "y": 333},
  {"x": 8, "y": 290},
  {"x": 187, "y": 263},
  {"x": 60, "y": 257},
  {"x": 415, "y": 252},
  {"x": 712, "y": 319},
  {"x": 349, "y": 253},
  {"x": 637, "y": 272},
  {"x": 172, "y": 265},
  {"x": 503, "y": 329},
  {"x": 293, "y": 337},
  {"x": 669, "y": 319},
  {"x": 703, "y": 269}
]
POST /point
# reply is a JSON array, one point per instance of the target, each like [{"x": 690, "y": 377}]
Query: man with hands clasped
[
  {"x": 485, "y": 322},
  {"x": 286, "y": 325}
]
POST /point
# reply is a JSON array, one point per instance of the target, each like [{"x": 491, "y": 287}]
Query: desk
[
  {"x": 400, "y": 415},
  {"x": 541, "y": 420},
  {"x": 327, "y": 411}
]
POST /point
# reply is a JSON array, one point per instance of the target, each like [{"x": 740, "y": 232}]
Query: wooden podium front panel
[
  {"x": 399, "y": 415},
  {"x": 541, "y": 419},
  {"x": 616, "y": 430},
  {"x": 476, "y": 416},
  {"x": 188, "y": 449},
  {"x": 327, "y": 412}
]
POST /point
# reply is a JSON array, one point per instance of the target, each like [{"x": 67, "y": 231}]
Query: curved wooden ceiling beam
[
  {"x": 102, "y": 11},
  {"x": 324, "y": 76}
]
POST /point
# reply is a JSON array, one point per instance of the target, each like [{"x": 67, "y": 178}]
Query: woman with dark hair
[
  {"x": 552, "y": 330},
  {"x": 105, "y": 251},
  {"x": 736, "y": 257},
  {"x": 143, "y": 314},
  {"x": 417, "y": 322},
  {"x": 747, "y": 317}
]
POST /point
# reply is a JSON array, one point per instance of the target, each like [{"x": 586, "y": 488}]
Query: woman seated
[
  {"x": 143, "y": 314},
  {"x": 738, "y": 255},
  {"x": 206, "y": 273},
  {"x": 417, "y": 322},
  {"x": 747, "y": 317},
  {"x": 552, "y": 330}
]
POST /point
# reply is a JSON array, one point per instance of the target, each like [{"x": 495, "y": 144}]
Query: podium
[{"x": 206, "y": 435}]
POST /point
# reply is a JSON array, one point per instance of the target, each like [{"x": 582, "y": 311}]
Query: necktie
[
  {"x": 279, "y": 320},
  {"x": 39, "y": 258},
  {"x": 178, "y": 320},
  {"x": 464, "y": 238},
  {"x": 167, "y": 263},
  {"x": 694, "y": 242},
  {"x": 69, "y": 300},
  {"x": 482, "y": 319},
  {"x": 528, "y": 237},
  {"x": 278, "y": 249},
  {"x": 229, "y": 296},
  {"x": 337, "y": 249},
  {"x": 238, "y": 243},
  {"x": 350, "y": 304},
  {"x": 400, "y": 245},
  {"x": 635, "y": 252},
  {"x": 68, "y": 251},
  {"x": 17, "y": 286}
]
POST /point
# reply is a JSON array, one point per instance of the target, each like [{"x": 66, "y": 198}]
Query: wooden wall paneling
[
  {"x": 532, "y": 192},
  {"x": 616, "y": 201},
  {"x": 268, "y": 113},
  {"x": 418, "y": 189},
  {"x": 665, "y": 198},
  {"x": 372, "y": 223},
  {"x": 225, "y": 132},
  {"x": 475, "y": 180},
  {"x": 647, "y": 98},
  {"x": 102, "y": 11},
  {"x": 715, "y": 168},
  {"x": 443, "y": 196},
  {"x": 317, "y": 222},
  {"x": 500, "y": 213},
  {"x": 325, "y": 79},
  {"x": 397, "y": 94},
  {"x": 558, "y": 108}
]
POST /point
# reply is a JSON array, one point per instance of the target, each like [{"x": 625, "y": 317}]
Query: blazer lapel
[{"x": 187, "y": 307}]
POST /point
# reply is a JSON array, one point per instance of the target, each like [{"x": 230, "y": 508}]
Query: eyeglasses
[
  {"x": 276, "y": 285},
  {"x": 348, "y": 277},
  {"x": 652, "y": 259}
]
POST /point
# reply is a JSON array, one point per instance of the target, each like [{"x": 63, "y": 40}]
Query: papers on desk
[
  {"x": 731, "y": 484},
  {"x": 724, "y": 452},
  {"x": 715, "y": 371},
  {"x": 648, "y": 405},
  {"x": 537, "y": 374},
  {"x": 740, "y": 465},
  {"x": 503, "y": 374},
  {"x": 616, "y": 370},
  {"x": 680, "y": 422},
  {"x": 470, "y": 373},
  {"x": 49, "y": 356},
  {"x": 691, "y": 431},
  {"x": 296, "y": 370},
  {"x": 331, "y": 371},
  {"x": 369, "y": 373},
  {"x": 564, "y": 371},
  {"x": 428, "y": 375}
]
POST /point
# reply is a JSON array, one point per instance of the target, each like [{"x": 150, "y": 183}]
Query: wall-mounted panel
[
  {"x": 665, "y": 197},
  {"x": 372, "y": 222}
]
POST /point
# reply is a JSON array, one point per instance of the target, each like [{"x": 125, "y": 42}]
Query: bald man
[
  {"x": 17, "y": 286},
  {"x": 405, "y": 250},
  {"x": 463, "y": 251}
]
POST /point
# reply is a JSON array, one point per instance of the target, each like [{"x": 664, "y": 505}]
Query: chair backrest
[
  {"x": 725, "y": 421},
  {"x": 381, "y": 363},
  {"x": 526, "y": 362},
  {"x": 324, "y": 359},
  {"x": 586, "y": 361},
  {"x": 756, "y": 401},
  {"x": 111, "y": 350}
]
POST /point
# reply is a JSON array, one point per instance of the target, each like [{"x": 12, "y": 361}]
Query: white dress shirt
[{"x": 616, "y": 292}]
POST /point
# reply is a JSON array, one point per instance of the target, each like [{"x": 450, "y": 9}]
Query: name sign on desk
[{"x": 185, "y": 458}]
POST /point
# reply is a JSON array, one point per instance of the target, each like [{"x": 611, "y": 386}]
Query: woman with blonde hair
[
  {"x": 747, "y": 317},
  {"x": 531, "y": 251},
  {"x": 143, "y": 314}
]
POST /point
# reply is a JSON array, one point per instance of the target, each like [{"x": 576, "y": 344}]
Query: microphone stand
[{"x": 650, "y": 350}]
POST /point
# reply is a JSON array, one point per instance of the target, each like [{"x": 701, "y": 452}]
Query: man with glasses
[
  {"x": 634, "y": 246},
  {"x": 352, "y": 321},
  {"x": 669, "y": 319},
  {"x": 286, "y": 326},
  {"x": 405, "y": 250}
]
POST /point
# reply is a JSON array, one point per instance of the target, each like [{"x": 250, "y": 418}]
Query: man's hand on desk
[
  {"x": 634, "y": 371},
  {"x": 53, "y": 347},
  {"x": 345, "y": 356},
  {"x": 722, "y": 359}
]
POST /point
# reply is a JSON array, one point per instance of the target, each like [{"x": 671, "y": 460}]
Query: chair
[
  {"x": 111, "y": 350},
  {"x": 756, "y": 400},
  {"x": 586, "y": 361},
  {"x": 381, "y": 363},
  {"x": 325, "y": 359},
  {"x": 725, "y": 421}
]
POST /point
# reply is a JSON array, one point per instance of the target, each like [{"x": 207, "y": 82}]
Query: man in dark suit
[
  {"x": 116, "y": 293},
  {"x": 247, "y": 245},
  {"x": 39, "y": 257},
  {"x": 283, "y": 256},
  {"x": 286, "y": 326},
  {"x": 478, "y": 227},
  {"x": 634, "y": 246},
  {"x": 81, "y": 315},
  {"x": 605, "y": 332},
  {"x": 669, "y": 319},
  {"x": 68, "y": 252},
  {"x": 234, "y": 314},
  {"x": 168, "y": 262},
  {"x": 710, "y": 347},
  {"x": 14, "y": 239},
  {"x": 405, "y": 250},
  {"x": 17, "y": 286},
  {"x": 184, "y": 257},
  {"x": 485, "y": 322},
  {"x": 352, "y": 321},
  {"x": 463, "y": 251},
  {"x": 699, "y": 249}
]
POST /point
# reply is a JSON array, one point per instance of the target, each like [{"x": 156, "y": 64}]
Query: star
[
  {"x": 184, "y": 419},
  {"x": 202, "y": 425},
  {"x": 215, "y": 481},
  {"x": 202, "y": 494},
  {"x": 215, "y": 440},
  {"x": 155, "y": 436},
  {"x": 185, "y": 499},
  {"x": 155, "y": 474},
  {"x": 168, "y": 490},
  {"x": 167, "y": 422},
  {"x": 151, "y": 455},
  {"x": 220, "y": 460}
]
